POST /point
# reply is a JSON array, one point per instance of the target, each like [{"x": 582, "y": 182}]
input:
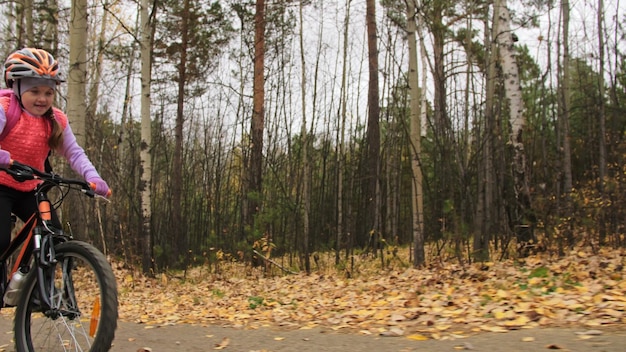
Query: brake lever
[
  {"x": 97, "y": 196},
  {"x": 90, "y": 192}
]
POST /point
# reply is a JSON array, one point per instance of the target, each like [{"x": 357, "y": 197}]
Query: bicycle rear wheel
[{"x": 84, "y": 304}]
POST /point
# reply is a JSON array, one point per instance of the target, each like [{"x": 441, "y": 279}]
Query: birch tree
[
  {"x": 416, "y": 135},
  {"x": 525, "y": 218},
  {"x": 77, "y": 74},
  {"x": 145, "y": 185},
  {"x": 77, "y": 94}
]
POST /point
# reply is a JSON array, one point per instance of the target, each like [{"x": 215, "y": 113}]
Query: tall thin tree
[
  {"x": 145, "y": 153},
  {"x": 341, "y": 140},
  {"x": 485, "y": 212},
  {"x": 77, "y": 74},
  {"x": 416, "y": 143},
  {"x": 564, "y": 119},
  {"x": 306, "y": 197},
  {"x": 525, "y": 218},
  {"x": 371, "y": 171},
  {"x": 254, "y": 170},
  {"x": 601, "y": 118},
  {"x": 77, "y": 94}
]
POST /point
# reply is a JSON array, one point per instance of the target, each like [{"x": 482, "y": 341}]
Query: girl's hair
[{"x": 56, "y": 135}]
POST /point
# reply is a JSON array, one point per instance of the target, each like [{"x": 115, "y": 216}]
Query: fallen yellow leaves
[
  {"x": 417, "y": 337},
  {"x": 223, "y": 344},
  {"x": 430, "y": 303}
]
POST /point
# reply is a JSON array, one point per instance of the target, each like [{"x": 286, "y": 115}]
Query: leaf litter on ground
[{"x": 441, "y": 301}]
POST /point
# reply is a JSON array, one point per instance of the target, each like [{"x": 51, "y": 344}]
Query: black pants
[{"x": 23, "y": 205}]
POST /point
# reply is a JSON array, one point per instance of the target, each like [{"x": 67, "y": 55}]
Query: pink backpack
[{"x": 13, "y": 112}]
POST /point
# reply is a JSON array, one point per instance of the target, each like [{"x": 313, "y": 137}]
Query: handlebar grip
[
  {"x": 93, "y": 187},
  {"x": 21, "y": 172}
]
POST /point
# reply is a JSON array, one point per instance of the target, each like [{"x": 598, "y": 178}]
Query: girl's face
[{"x": 38, "y": 100}]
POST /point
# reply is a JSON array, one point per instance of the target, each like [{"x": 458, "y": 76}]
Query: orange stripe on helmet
[{"x": 38, "y": 61}]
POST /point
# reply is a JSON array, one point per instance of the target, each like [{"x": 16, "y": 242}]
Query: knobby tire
[{"x": 87, "y": 322}]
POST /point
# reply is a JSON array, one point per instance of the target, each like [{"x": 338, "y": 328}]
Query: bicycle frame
[
  {"x": 23, "y": 236},
  {"x": 74, "y": 316},
  {"x": 36, "y": 238}
]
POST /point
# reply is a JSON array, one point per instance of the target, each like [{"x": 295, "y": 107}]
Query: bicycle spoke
[
  {"x": 68, "y": 299},
  {"x": 82, "y": 300},
  {"x": 61, "y": 335}
]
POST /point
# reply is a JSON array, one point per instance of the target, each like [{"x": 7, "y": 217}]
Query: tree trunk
[
  {"x": 341, "y": 145},
  {"x": 525, "y": 218},
  {"x": 306, "y": 172},
  {"x": 416, "y": 144},
  {"x": 371, "y": 172},
  {"x": 50, "y": 38},
  {"x": 76, "y": 100},
  {"x": 145, "y": 155},
  {"x": 485, "y": 213},
  {"x": 77, "y": 75},
  {"x": 563, "y": 121},
  {"x": 29, "y": 29},
  {"x": 255, "y": 167},
  {"x": 601, "y": 123}
]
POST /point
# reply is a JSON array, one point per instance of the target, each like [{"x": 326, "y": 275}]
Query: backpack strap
[{"x": 12, "y": 113}]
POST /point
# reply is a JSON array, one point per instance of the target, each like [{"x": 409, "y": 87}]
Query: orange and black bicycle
[{"x": 63, "y": 289}]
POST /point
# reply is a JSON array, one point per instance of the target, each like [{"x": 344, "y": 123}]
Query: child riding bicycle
[{"x": 32, "y": 131}]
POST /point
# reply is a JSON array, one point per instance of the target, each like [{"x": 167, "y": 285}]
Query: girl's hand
[{"x": 100, "y": 187}]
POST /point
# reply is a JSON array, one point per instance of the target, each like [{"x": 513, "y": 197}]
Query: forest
[{"x": 245, "y": 131}]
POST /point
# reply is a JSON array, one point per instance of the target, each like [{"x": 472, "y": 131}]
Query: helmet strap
[{"x": 18, "y": 91}]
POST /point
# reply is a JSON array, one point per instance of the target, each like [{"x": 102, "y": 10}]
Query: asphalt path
[{"x": 131, "y": 337}]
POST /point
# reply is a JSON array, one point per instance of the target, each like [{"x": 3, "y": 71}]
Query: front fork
[
  {"x": 43, "y": 252},
  {"x": 44, "y": 238}
]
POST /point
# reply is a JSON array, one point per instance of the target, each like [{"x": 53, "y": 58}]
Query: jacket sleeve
[
  {"x": 75, "y": 155},
  {"x": 3, "y": 119}
]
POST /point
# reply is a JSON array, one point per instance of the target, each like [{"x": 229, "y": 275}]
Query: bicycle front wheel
[{"x": 83, "y": 296}]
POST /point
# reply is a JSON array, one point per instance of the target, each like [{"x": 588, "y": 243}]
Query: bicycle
[{"x": 66, "y": 297}]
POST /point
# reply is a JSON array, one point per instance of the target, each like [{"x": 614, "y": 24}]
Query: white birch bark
[
  {"x": 145, "y": 153},
  {"x": 416, "y": 146},
  {"x": 524, "y": 218},
  {"x": 510, "y": 71},
  {"x": 77, "y": 75}
]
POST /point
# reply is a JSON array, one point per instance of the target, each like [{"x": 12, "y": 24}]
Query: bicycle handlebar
[{"x": 22, "y": 172}]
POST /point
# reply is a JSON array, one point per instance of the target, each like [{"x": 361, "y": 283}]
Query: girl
[{"x": 33, "y": 75}]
